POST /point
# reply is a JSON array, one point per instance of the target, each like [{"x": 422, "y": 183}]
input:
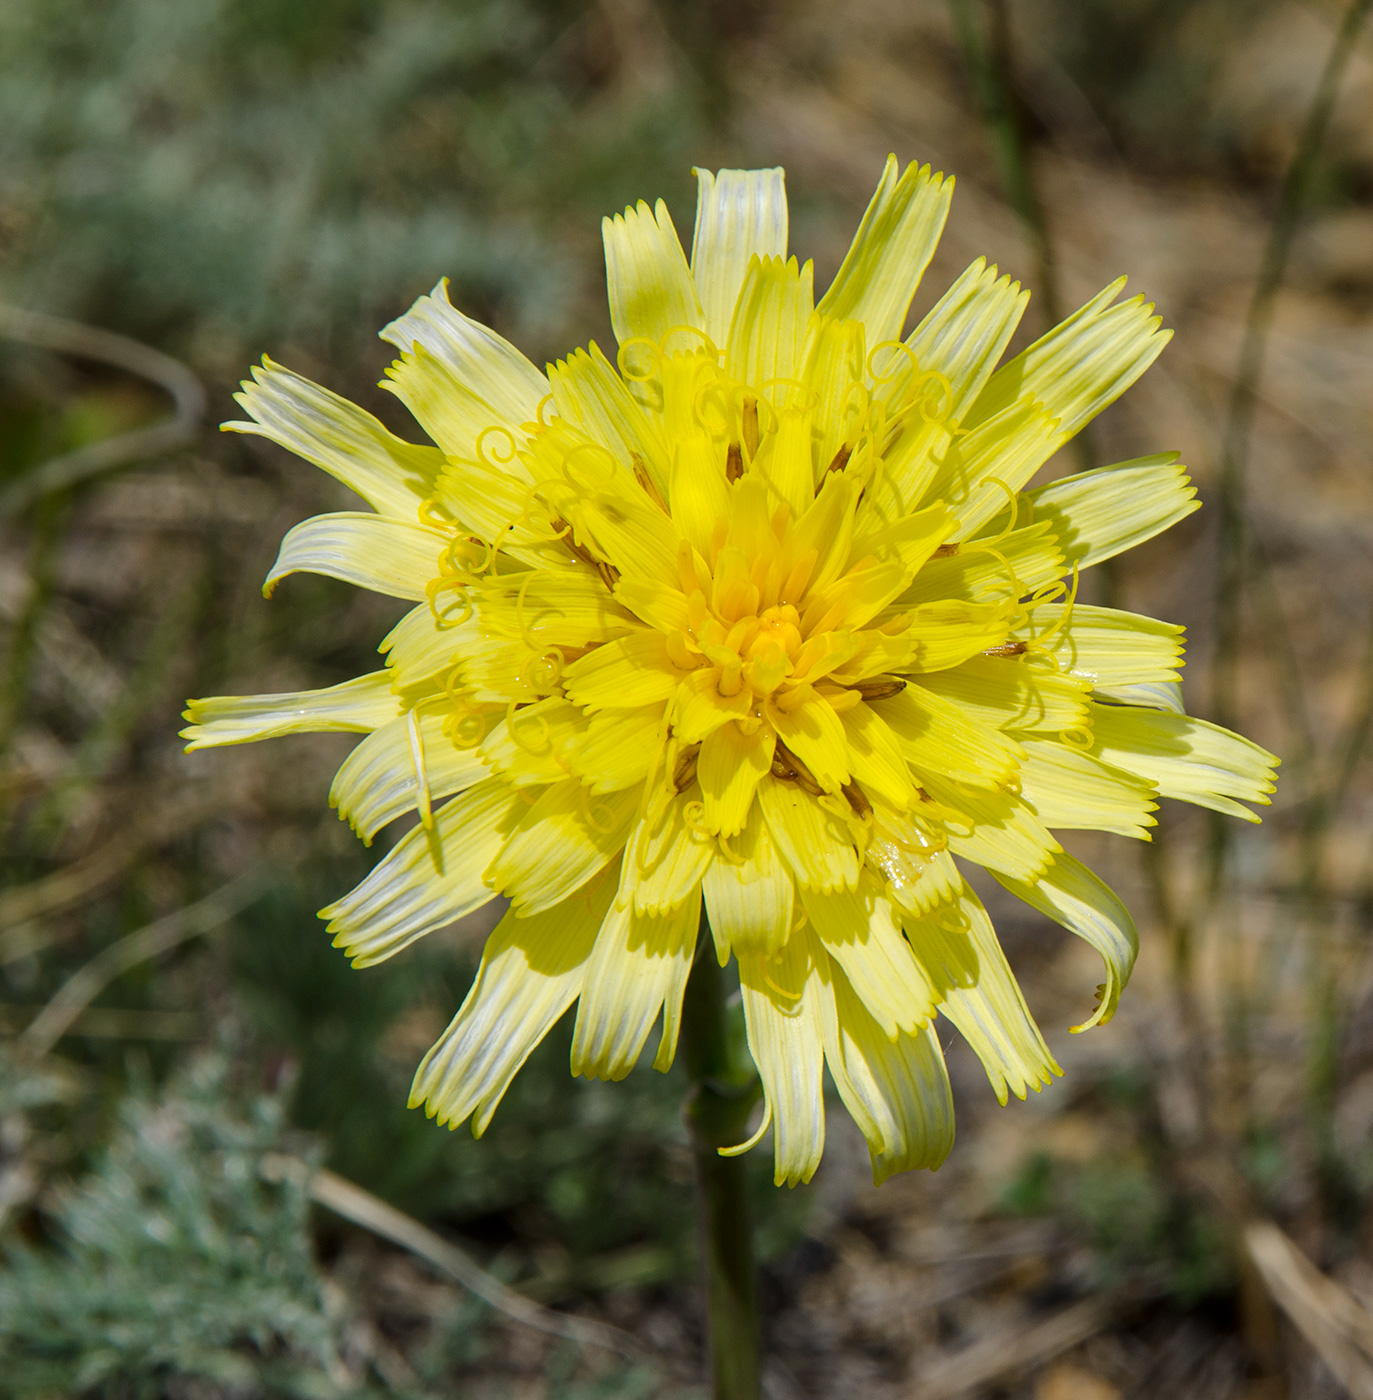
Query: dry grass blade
[
  {"x": 84, "y": 986},
  {"x": 63, "y": 887},
  {"x": 362, "y": 1208},
  {"x": 1018, "y": 1350},
  {"x": 1337, "y": 1327},
  {"x": 113, "y": 1023},
  {"x": 73, "y": 338}
]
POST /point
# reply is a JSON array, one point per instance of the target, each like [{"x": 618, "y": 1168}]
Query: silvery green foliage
[
  {"x": 174, "y": 1266},
  {"x": 240, "y": 170}
]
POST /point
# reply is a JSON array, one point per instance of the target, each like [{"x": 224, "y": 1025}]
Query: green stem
[{"x": 724, "y": 1091}]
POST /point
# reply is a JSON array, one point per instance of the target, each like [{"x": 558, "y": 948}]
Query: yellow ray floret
[{"x": 761, "y": 615}]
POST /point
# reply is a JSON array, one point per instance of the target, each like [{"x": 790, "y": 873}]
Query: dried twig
[
  {"x": 73, "y": 338},
  {"x": 1337, "y": 1327},
  {"x": 341, "y": 1196},
  {"x": 1021, "y": 1349},
  {"x": 79, "y": 990}
]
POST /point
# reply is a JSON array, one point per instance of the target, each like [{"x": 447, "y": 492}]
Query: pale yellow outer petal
[
  {"x": 589, "y": 392},
  {"x": 559, "y": 843},
  {"x": 666, "y": 857},
  {"x": 768, "y": 333},
  {"x": 896, "y": 1091},
  {"x": 394, "y": 557},
  {"x": 523, "y": 748},
  {"x": 983, "y": 999},
  {"x": 739, "y": 213},
  {"x": 857, "y": 928},
  {"x": 420, "y": 651},
  {"x": 639, "y": 963},
  {"x": 1007, "y": 692},
  {"x": 485, "y": 366},
  {"x": 1099, "y": 514},
  {"x": 1073, "y": 896},
  {"x": 378, "y": 782},
  {"x": 1104, "y": 646},
  {"x": 1082, "y": 365},
  {"x": 1009, "y": 449},
  {"x": 890, "y": 251},
  {"x": 939, "y": 736},
  {"x": 966, "y": 330},
  {"x": 751, "y": 899},
  {"x": 358, "y": 706},
  {"x": 1066, "y": 788},
  {"x": 392, "y": 476},
  {"x": 1032, "y": 553},
  {"x": 1003, "y": 834},
  {"x": 783, "y": 1011},
  {"x": 531, "y": 972},
  {"x": 647, "y": 276},
  {"x": 1186, "y": 758},
  {"x": 429, "y": 879}
]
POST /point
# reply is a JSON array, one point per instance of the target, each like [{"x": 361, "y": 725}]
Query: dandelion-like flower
[{"x": 758, "y": 612}]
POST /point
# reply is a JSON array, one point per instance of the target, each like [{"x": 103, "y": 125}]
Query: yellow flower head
[{"x": 761, "y": 612}]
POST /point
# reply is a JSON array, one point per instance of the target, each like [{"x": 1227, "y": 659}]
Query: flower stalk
[{"x": 724, "y": 1091}]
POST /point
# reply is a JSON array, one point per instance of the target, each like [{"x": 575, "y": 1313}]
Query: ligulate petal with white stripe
[
  {"x": 783, "y": 1009},
  {"x": 1067, "y": 788},
  {"x": 1083, "y": 364},
  {"x": 360, "y": 705},
  {"x": 559, "y": 844},
  {"x": 484, "y": 364},
  {"x": 1185, "y": 758},
  {"x": 966, "y": 331},
  {"x": 983, "y": 999},
  {"x": 647, "y": 277},
  {"x": 639, "y": 964},
  {"x": 890, "y": 251},
  {"x": 896, "y": 1090},
  {"x": 1104, "y": 646},
  {"x": 378, "y": 781},
  {"x": 1098, "y": 514},
  {"x": 429, "y": 879},
  {"x": 1071, "y": 895},
  {"x": 370, "y": 551},
  {"x": 750, "y": 899},
  {"x": 392, "y": 476},
  {"x": 531, "y": 972},
  {"x": 739, "y": 213},
  {"x": 859, "y": 932}
]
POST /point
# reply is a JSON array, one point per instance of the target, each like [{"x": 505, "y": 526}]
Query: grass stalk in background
[{"x": 1238, "y": 561}]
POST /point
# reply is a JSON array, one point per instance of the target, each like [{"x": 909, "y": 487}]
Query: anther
[
  {"x": 684, "y": 774},
  {"x": 858, "y": 800},
  {"x": 561, "y": 527},
  {"x": 945, "y": 551},
  {"x": 880, "y": 687},
  {"x": 787, "y": 767},
  {"x": 748, "y": 425},
  {"x": 650, "y": 490},
  {"x": 734, "y": 462},
  {"x": 841, "y": 458},
  {"x": 1007, "y": 649},
  {"x": 610, "y": 575}
]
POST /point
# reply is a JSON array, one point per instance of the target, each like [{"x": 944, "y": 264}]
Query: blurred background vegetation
[{"x": 216, "y": 179}]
